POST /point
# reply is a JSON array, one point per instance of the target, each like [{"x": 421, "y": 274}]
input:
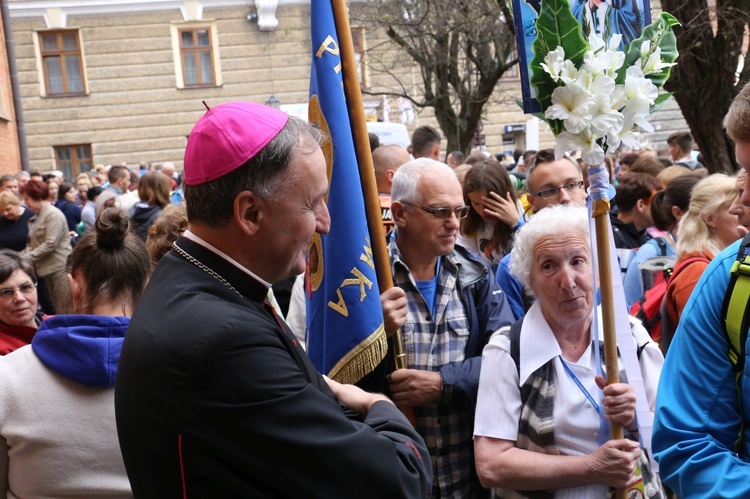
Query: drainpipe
[{"x": 14, "y": 86}]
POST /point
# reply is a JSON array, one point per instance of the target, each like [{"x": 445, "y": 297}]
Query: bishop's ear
[{"x": 249, "y": 211}]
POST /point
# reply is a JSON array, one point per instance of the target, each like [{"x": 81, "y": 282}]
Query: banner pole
[
  {"x": 601, "y": 224},
  {"x": 366, "y": 170}
]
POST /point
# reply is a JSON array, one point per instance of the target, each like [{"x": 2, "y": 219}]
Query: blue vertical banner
[{"x": 346, "y": 339}]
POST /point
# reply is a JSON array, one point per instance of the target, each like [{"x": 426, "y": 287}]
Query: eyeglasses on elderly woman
[{"x": 26, "y": 289}]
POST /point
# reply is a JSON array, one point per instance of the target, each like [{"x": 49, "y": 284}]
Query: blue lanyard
[{"x": 579, "y": 384}]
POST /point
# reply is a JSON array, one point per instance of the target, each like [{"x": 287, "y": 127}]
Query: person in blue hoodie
[{"x": 58, "y": 436}]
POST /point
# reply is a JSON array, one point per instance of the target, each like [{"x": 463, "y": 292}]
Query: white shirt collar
[
  {"x": 538, "y": 344},
  {"x": 196, "y": 239}
]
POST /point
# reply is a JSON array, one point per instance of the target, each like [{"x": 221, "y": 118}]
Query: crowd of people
[{"x": 145, "y": 350}]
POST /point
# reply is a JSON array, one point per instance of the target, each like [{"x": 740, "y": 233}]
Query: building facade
[
  {"x": 122, "y": 81},
  {"x": 10, "y": 157}
]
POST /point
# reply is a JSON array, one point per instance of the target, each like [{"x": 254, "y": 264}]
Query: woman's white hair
[
  {"x": 550, "y": 221},
  {"x": 405, "y": 187},
  {"x": 711, "y": 195}
]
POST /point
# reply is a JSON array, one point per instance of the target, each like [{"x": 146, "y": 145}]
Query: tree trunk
[{"x": 704, "y": 81}]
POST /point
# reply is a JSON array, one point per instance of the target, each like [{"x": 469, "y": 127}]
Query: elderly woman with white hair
[{"x": 542, "y": 414}]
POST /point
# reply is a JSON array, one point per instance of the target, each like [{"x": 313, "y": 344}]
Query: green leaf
[
  {"x": 555, "y": 27},
  {"x": 556, "y": 126},
  {"x": 519, "y": 103},
  {"x": 661, "y": 35},
  {"x": 659, "y": 102}
]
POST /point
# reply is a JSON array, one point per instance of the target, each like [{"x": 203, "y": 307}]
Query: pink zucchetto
[{"x": 227, "y": 136}]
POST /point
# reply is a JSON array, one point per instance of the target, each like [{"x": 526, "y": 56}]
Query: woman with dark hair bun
[
  {"x": 494, "y": 213},
  {"x": 57, "y": 394},
  {"x": 667, "y": 207}
]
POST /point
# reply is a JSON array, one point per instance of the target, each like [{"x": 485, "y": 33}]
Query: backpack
[
  {"x": 654, "y": 263},
  {"x": 649, "y": 308},
  {"x": 736, "y": 317}
]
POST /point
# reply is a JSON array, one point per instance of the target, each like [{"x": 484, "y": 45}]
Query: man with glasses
[
  {"x": 447, "y": 305},
  {"x": 550, "y": 182}
]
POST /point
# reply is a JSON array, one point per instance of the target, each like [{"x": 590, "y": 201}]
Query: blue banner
[{"x": 345, "y": 338}]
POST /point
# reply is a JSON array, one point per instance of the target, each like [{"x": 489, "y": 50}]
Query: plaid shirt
[{"x": 431, "y": 343}]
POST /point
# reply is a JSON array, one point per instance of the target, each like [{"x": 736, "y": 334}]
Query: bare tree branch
[{"x": 462, "y": 49}]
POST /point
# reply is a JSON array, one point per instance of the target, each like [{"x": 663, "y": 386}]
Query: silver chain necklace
[{"x": 203, "y": 267}]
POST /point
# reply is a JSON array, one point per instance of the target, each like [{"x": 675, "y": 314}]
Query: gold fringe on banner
[{"x": 361, "y": 360}]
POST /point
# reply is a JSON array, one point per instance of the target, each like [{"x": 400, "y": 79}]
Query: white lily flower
[
  {"x": 630, "y": 140},
  {"x": 615, "y": 62},
  {"x": 645, "y": 49},
  {"x": 637, "y": 86},
  {"x": 626, "y": 137},
  {"x": 598, "y": 58},
  {"x": 602, "y": 87},
  {"x": 584, "y": 78},
  {"x": 570, "y": 103},
  {"x": 604, "y": 120},
  {"x": 591, "y": 152},
  {"x": 635, "y": 112},
  {"x": 640, "y": 120},
  {"x": 613, "y": 141},
  {"x": 553, "y": 63},
  {"x": 619, "y": 98},
  {"x": 564, "y": 143},
  {"x": 596, "y": 63},
  {"x": 597, "y": 113},
  {"x": 569, "y": 72},
  {"x": 653, "y": 64},
  {"x": 596, "y": 42},
  {"x": 614, "y": 42}
]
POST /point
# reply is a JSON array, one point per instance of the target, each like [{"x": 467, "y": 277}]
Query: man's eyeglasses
[
  {"x": 444, "y": 213},
  {"x": 554, "y": 191},
  {"x": 7, "y": 294}
]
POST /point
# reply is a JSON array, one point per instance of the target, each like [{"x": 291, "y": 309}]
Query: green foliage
[
  {"x": 661, "y": 35},
  {"x": 659, "y": 102},
  {"x": 555, "y": 27}
]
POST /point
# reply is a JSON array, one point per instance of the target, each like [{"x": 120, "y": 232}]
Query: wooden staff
[
  {"x": 601, "y": 221},
  {"x": 366, "y": 171}
]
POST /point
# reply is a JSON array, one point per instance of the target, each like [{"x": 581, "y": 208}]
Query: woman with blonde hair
[
  {"x": 83, "y": 184},
  {"x": 705, "y": 229}
]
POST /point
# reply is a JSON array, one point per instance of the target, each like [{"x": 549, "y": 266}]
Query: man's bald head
[{"x": 386, "y": 160}]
